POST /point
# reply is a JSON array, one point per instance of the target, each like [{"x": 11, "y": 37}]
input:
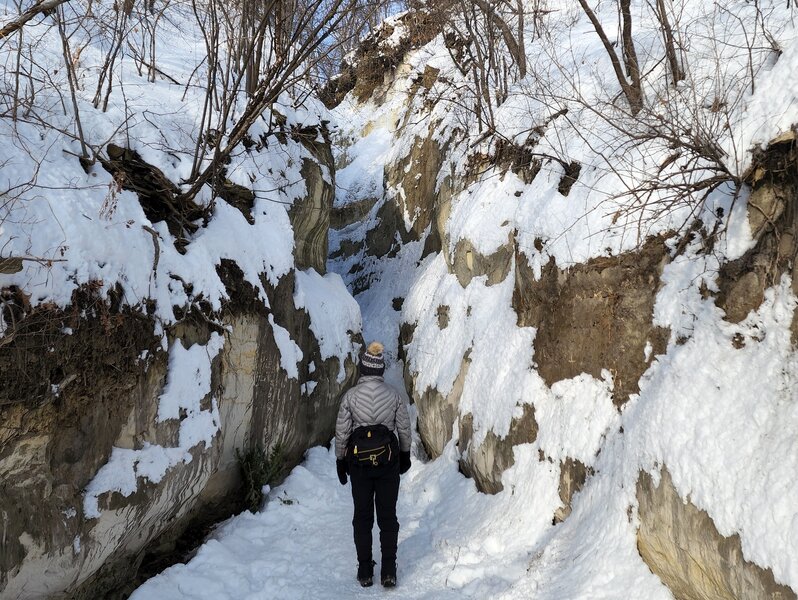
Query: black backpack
[{"x": 373, "y": 446}]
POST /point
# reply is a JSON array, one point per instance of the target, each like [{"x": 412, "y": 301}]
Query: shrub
[{"x": 259, "y": 468}]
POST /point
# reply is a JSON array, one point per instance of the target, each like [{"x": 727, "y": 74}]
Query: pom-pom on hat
[{"x": 372, "y": 362}]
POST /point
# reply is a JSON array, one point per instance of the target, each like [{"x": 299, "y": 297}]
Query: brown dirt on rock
[
  {"x": 594, "y": 316},
  {"x": 374, "y": 59},
  {"x": 773, "y": 217},
  {"x": 39, "y": 361}
]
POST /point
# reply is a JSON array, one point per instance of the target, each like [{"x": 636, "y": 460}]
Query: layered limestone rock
[
  {"x": 311, "y": 218},
  {"x": 682, "y": 546},
  {"x": 414, "y": 206},
  {"x": 50, "y": 451},
  {"x": 69, "y": 398}
]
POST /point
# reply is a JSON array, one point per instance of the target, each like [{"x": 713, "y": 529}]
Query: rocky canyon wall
[
  {"x": 590, "y": 321},
  {"x": 82, "y": 388}
]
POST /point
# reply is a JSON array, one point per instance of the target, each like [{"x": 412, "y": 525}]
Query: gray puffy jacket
[{"x": 371, "y": 402}]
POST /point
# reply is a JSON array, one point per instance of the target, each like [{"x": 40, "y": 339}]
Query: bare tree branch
[{"x": 41, "y": 7}]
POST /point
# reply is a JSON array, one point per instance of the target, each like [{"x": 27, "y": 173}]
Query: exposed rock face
[
  {"x": 378, "y": 57},
  {"x": 773, "y": 218},
  {"x": 466, "y": 263},
  {"x": 437, "y": 413},
  {"x": 595, "y": 316},
  {"x": 573, "y": 475},
  {"x": 486, "y": 462},
  {"x": 311, "y": 218},
  {"x": 62, "y": 413},
  {"x": 589, "y": 318},
  {"x": 681, "y": 545},
  {"x": 49, "y": 454},
  {"x": 416, "y": 176},
  {"x": 344, "y": 216},
  {"x": 598, "y": 315},
  {"x": 412, "y": 208},
  {"x": 390, "y": 233}
]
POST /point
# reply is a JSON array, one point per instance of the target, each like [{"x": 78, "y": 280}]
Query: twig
[{"x": 155, "y": 243}]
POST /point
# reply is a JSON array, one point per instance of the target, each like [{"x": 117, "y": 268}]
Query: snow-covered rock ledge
[
  {"x": 640, "y": 377},
  {"x": 136, "y": 362}
]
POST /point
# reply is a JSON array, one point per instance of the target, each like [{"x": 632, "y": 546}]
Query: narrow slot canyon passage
[
  {"x": 454, "y": 542},
  {"x": 580, "y": 254}
]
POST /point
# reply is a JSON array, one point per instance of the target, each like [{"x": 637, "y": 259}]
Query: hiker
[{"x": 366, "y": 447}]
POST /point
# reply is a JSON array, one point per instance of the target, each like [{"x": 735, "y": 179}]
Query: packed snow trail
[
  {"x": 300, "y": 546},
  {"x": 454, "y": 542}
]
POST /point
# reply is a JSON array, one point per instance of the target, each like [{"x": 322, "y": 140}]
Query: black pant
[{"x": 376, "y": 486}]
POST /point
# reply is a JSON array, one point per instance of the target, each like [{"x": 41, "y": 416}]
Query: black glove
[
  {"x": 404, "y": 462},
  {"x": 343, "y": 469}
]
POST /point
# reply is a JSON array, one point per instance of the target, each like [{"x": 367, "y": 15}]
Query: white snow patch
[
  {"x": 334, "y": 314},
  {"x": 290, "y": 352},
  {"x": 189, "y": 382},
  {"x": 575, "y": 418}
]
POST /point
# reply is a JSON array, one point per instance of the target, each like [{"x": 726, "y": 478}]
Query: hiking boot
[
  {"x": 388, "y": 574},
  {"x": 365, "y": 573}
]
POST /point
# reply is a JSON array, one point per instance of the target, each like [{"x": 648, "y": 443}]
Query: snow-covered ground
[{"x": 454, "y": 542}]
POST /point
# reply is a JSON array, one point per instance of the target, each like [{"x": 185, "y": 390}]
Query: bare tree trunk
[
  {"x": 70, "y": 68},
  {"x": 629, "y": 52},
  {"x": 17, "y": 75},
  {"x": 519, "y": 11},
  {"x": 633, "y": 91},
  {"x": 516, "y": 51},
  {"x": 106, "y": 76},
  {"x": 677, "y": 74}
]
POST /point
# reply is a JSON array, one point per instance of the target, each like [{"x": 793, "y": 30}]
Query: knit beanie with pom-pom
[{"x": 372, "y": 361}]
